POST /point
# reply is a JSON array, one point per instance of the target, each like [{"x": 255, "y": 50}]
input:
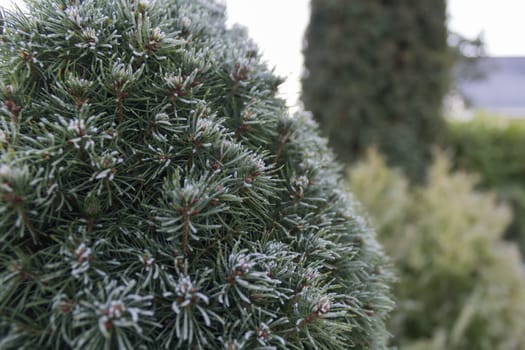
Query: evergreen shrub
[
  {"x": 376, "y": 74},
  {"x": 461, "y": 286},
  {"x": 154, "y": 193}
]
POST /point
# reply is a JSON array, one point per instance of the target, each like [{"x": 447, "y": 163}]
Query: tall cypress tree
[
  {"x": 154, "y": 193},
  {"x": 376, "y": 73}
]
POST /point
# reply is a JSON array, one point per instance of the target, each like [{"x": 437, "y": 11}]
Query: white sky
[{"x": 277, "y": 26}]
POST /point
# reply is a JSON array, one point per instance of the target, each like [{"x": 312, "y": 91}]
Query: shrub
[
  {"x": 154, "y": 193},
  {"x": 460, "y": 285},
  {"x": 376, "y": 74},
  {"x": 495, "y": 148}
]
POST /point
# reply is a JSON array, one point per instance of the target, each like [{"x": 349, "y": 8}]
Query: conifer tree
[
  {"x": 376, "y": 74},
  {"x": 155, "y": 194}
]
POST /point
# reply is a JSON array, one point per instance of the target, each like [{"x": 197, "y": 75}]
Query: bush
[
  {"x": 154, "y": 193},
  {"x": 495, "y": 148},
  {"x": 460, "y": 285},
  {"x": 376, "y": 74}
]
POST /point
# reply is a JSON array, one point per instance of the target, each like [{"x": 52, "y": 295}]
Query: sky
[{"x": 277, "y": 26}]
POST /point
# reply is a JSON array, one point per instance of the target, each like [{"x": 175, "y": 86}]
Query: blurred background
[{"x": 424, "y": 103}]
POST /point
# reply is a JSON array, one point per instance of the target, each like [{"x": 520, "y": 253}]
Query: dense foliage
[
  {"x": 495, "y": 148},
  {"x": 376, "y": 73},
  {"x": 460, "y": 285},
  {"x": 155, "y": 194}
]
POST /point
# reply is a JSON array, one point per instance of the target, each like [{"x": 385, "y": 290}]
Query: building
[{"x": 499, "y": 89}]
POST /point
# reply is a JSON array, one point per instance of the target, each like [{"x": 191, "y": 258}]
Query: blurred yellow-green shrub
[
  {"x": 461, "y": 287},
  {"x": 494, "y": 147}
]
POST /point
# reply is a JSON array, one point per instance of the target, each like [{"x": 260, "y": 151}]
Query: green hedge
[
  {"x": 495, "y": 148},
  {"x": 376, "y": 74}
]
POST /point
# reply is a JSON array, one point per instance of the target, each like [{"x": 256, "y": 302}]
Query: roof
[{"x": 501, "y": 87}]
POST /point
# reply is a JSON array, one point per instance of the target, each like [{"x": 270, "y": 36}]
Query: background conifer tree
[
  {"x": 376, "y": 74},
  {"x": 155, "y": 194}
]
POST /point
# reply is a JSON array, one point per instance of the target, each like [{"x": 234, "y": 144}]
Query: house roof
[{"x": 501, "y": 86}]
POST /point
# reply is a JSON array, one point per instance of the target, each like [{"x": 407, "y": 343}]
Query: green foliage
[
  {"x": 155, "y": 194},
  {"x": 495, "y": 148},
  {"x": 460, "y": 285},
  {"x": 376, "y": 74}
]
